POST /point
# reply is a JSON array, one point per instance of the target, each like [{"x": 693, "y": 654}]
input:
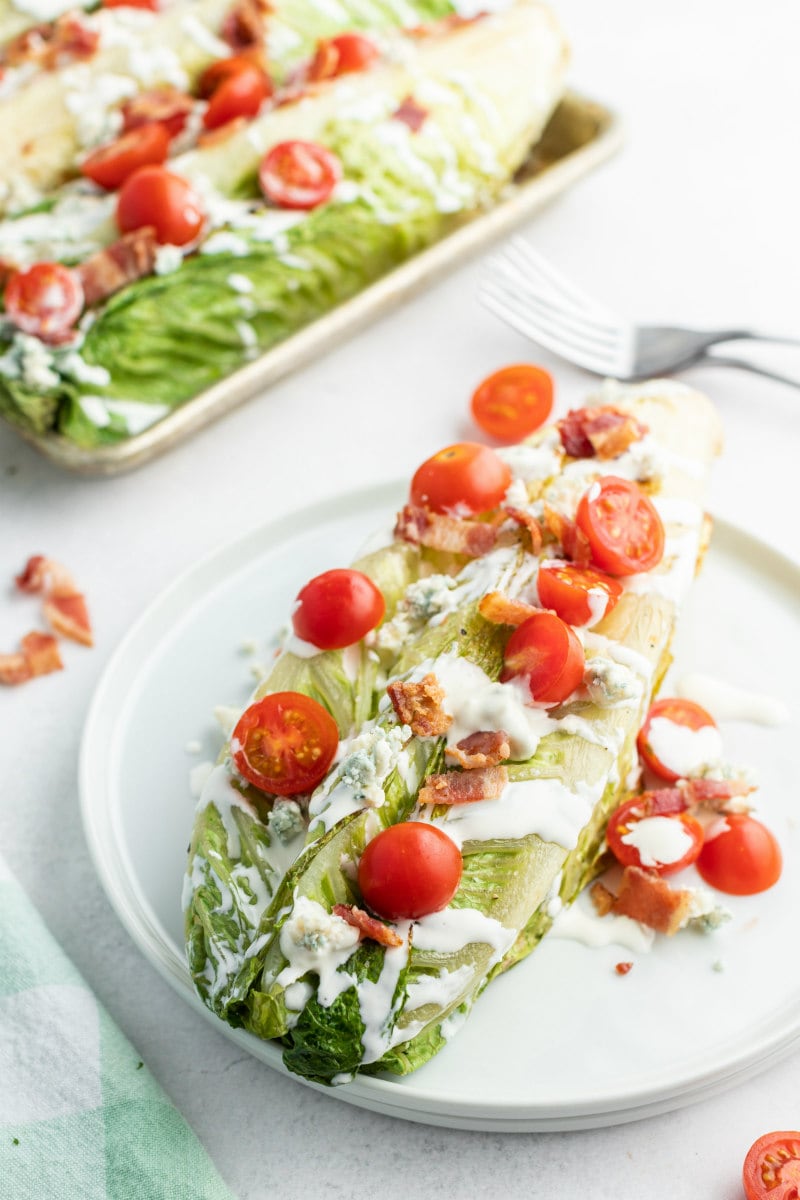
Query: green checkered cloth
[{"x": 81, "y": 1117}]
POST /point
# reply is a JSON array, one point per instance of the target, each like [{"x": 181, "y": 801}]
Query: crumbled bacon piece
[
  {"x": 64, "y": 606},
  {"x": 604, "y": 431},
  {"x": 419, "y": 705},
  {"x": 454, "y": 535},
  {"x": 646, "y": 897},
  {"x": 14, "y": 669},
  {"x": 52, "y": 43},
  {"x": 622, "y": 968},
  {"x": 39, "y": 656},
  {"x": 527, "y": 521},
  {"x": 411, "y": 114},
  {"x": 464, "y": 787},
  {"x": 69, "y": 616},
  {"x": 714, "y": 794},
  {"x": 167, "y": 105},
  {"x": 368, "y": 926},
  {"x": 325, "y": 62},
  {"x": 573, "y": 540},
  {"x": 41, "y": 651},
  {"x": 486, "y": 748},
  {"x": 602, "y": 899},
  {"x": 246, "y": 24},
  {"x": 500, "y": 610},
  {"x": 131, "y": 257}
]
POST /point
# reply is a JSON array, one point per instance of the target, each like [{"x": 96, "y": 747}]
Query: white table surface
[{"x": 696, "y": 220}]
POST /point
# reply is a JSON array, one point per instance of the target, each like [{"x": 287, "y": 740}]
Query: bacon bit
[
  {"x": 246, "y": 24},
  {"x": 52, "y": 43},
  {"x": 605, "y": 432},
  {"x": 368, "y": 926},
  {"x": 419, "y": 705},
  {"x": 41, "y": 651},
  {"x": 69, "y": 616},
  {"x": 325, "y": 62},
  {"x": 500, "y": 610},
  {"x": 64, "y": 606},
  {"x": 622, "y": 968},
  {"x": 39, "y": 656},
  {"x": 713, "y": 794},
  {"x": 464, "y": 787},
  {"x": 486, "y": 748},
  {"x": 602, "y": 899},
  {"x": 14, "y": 669},
  {"x": 647, "y": 898},
  {"x": 167, "y": 105},
  {"x": 529, "y": 522},
  {"x": 572, "y": 539},
  {"x": 411, "y": 114},
  {"x": 131, "y": 257},
  {"x": 453, "y": 535}
]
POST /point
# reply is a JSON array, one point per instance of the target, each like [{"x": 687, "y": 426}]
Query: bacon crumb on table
[
  {"x": 454, "y": 535},
  {"x": 485, "y": 748},
  {"x": 419, "y": 705},
  {"x": 622, "y": 968},
  {"x": 39, "y": 656},
  {"x": 464, "y": 787},
  {"x": 369, "y": 927}
]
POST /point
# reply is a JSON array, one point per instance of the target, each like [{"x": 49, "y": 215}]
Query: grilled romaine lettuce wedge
[
  {"x": 341, "y": 1006},
  {"x": 486, "y": 89},
  {"x": 50, "y": 118}
]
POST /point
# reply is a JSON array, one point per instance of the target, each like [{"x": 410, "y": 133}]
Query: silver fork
[{"x": 529, "y": 294}]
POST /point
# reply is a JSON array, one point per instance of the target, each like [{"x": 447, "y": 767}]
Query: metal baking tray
[{"x": 580, "y": 135}]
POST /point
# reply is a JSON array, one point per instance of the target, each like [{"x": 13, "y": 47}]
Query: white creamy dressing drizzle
[
  {"x": 47, "y": 10},
  {"x": 685, "y": 751},
  {"x": 660, "y": 841},
  {"x": 728, "y": 703},
  {"x": 453, "y": 929},
  {"x": 477, "y": 703},
  {"x": 580, "y": 924},
  {"x": 545, "y": 807}
]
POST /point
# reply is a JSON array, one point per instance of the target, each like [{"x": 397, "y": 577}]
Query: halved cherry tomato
[
  {"x": 342, "y": 55},
  {"x": 409, "y": 870},
  {"x": 578, "y": 595},
  {"x": 546, "y": 652},
  {"x": 771, "y": 1169},
  {"x": 240, "y": 95},
  {"x": 680, "y": 712},
  {"x": 654, "y": 831},
  {"x": 152, "y": 5},
  {"x": 624, "y": 530},
  {"x": 299, "y": 174},
  {"x": 167, "y": 106},
  {"x": 461, "y": 480},
  {"x": 337, "y": 608},
  {"x": 284, "y": 743},
  {"x": 513, "y": 402},
  {"x": 109, "y": 166},
  {"x": 46, "y": 300},
  {"x": 154, "y": 196},
  {"x": 221, "y": 70},
  {"x": 740, "y": 856}
]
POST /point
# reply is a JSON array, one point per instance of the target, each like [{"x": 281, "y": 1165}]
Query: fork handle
[
  {"x": 742, "y": 364},
  {"x": 751, "y": 335}
]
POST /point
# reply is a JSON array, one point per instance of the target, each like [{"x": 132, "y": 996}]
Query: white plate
[{"x": 562, "y": 1041}]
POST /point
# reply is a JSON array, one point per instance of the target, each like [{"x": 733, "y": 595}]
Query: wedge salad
[
  {"x": 425, "y": 777},
  {"x": 186, "y": 187}
]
